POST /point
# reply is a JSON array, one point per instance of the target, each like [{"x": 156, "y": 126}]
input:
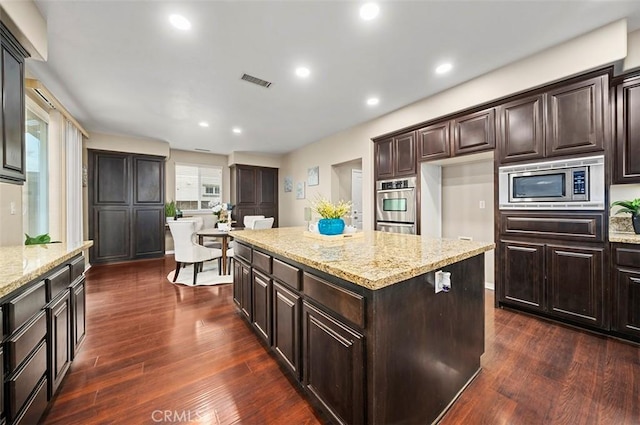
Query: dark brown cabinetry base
[
  {"x": 350, "y": 348},
  {"x": 626, "y": 290}
]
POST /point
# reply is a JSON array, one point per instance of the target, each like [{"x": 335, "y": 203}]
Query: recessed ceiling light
[
  {"x": 237, "y": 130},
  {"x": 203, "y": 124},
  {"x": 180, "y": 22},
  {"x": 302, "y": 72},
  {"x": 372, "y": 101},
  {"x": 444, "y": 68},
  {"x": 369, "y": 11}
]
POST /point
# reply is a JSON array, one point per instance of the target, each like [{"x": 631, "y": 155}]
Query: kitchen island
[{"x": 357, "y": 322}]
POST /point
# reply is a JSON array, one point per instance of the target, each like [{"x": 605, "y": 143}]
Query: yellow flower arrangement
[{"x": 327, "y": 209}]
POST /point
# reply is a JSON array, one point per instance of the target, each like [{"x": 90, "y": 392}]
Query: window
[
  {"x": 197, "y": 186},
  {"x": 36, "y": 189}
]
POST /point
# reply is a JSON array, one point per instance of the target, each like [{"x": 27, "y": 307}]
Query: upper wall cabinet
[
  {"x": 396, "y": 156},
  {"x": 466, "y": 134},
  {"x": 627, "y": 128},
  {"x": 567, "y": 120},
  {"x": 12, "y": 153}
]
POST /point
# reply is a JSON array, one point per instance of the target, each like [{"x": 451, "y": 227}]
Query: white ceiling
[{"x": 119, "y": 67}]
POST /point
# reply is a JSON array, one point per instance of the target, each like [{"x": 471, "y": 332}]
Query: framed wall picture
[
  {"x": 300, "y": 190},
  {"x": 288, "y": 184},
  {"x": 313, "y": 176}
]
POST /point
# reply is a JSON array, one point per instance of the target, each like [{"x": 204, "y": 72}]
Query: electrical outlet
[
  {"x": 443, "y": 281},
  {"x": 482, "y": 205},
  {"x": 12, "y": 208}
]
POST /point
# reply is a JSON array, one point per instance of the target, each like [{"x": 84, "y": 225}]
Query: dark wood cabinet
[
  {"x": 396, "y": 156},
  {"x": 78, "y": 314},
  {"x": 286, "y": 327},
  {"x": 562, "y": 280},
  {"x": 627, "y": 131},
  {"x": 434, "y": 142},
  {"x": 384, "y": 159},
  {"x": 254, "y": 191},
  {"x": 523, "y": 273},
  {"x": 626, "y": 290},
  {"x": 242, "y": 287},
  {"x": 58, "y": 340},
  {"x": 521, "y": 129},
  {"x": 576, "y": 283},
  {"x": 575, "y": 117},
  {"x": 126, "y": 204},
  {"x": 333, "y": 365},
  {"x": 12, "y": 151},
  {"x": 261, "y": 297},
  {"x": 474, "y": 132}
]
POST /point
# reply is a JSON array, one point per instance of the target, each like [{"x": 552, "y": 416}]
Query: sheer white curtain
[{"x": 73, "y": 149}]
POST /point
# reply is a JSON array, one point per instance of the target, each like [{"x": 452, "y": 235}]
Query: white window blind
[{"x": 73, "y": 149}]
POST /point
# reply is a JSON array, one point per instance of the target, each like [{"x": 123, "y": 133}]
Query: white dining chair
[
  {"x": 249, "y": 219},
  {"x": 186, "y": 250},
  {"x": 263, "y": 223}
]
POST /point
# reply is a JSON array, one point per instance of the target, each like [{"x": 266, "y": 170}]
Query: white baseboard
[
  {"x": 168, "y": 252},
  {"x": 490, "y": 285}
]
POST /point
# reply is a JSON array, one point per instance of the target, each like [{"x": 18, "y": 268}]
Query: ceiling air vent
[
  {"x": 202, "y": 150},
  {"x": 255, "y": 80}
]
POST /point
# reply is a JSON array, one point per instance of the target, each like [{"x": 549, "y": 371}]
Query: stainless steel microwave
[{"x": 561, "y": 184}]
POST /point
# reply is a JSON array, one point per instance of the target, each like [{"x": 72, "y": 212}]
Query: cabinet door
[
  {"x": 237, "y": 282},
  {"x": 523, "y": 274},
  {"x": 474, "y": 132},
  {"x": 78, "y": 319},
  {"x": 245, "y": 292},
  {"x": 575, "y": 114},
  {"x": 434, "y": 142},
  {"x": 59, "y": 342},
  {"x": 333, "y": 365},
  {"x": 576, "y": 283},
  {"x": 404, "y": 154},
  {"x": 384, "y": 159},
  {"x": 286, "y": 327},
  {"x": 627, "y": 140},
  {"x": 261, "y": 286},
  {"x": 246, "y": 179},
  {"x": 521, "y": 130},
  {"x": 626, "y": 302},
  {"x": 12, "y": 117}
]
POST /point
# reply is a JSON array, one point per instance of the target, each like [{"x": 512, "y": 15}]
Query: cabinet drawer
[
  {"x": 77, "y": 267},
  {"x": 22, "y": 384},
  {"x": 627, "y": 257},
  {"x": 346, "y": 303},
  {"x": 24, "y": 306},
  {"x": 35, "y": 406},
  {"x": 571, "y": 226},
  {"x": 286, "y": 273},
  {"x": 243, "y": 252},
  {"x": 58, "y": 282},
  {"x": 261, "y": 261},
  {"x": 22, "y": 343}
]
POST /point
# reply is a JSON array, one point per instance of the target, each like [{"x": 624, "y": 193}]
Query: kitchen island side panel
[{"x": 424, "y": 347}]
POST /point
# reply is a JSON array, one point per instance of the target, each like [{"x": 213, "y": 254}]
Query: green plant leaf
[
  {"x": 632, "y": 207},
  {"x": 37, "y": 240}
]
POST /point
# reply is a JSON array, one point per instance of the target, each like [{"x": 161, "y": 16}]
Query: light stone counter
[
  {"x": 22, "y": 264},
  {"x": 374, "y": 261},
  {"x": 624, "y": 237}
]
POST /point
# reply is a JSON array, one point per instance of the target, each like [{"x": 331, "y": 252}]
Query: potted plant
[
  {"x": 632, "y": 207},
  {"x": 331, "y": 222},
  {"x": 170, "y": 210},
  {"x": 37, "y": 240},
  {"x": 223, "y": 212}
]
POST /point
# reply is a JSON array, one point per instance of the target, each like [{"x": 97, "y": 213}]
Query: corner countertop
[
  {"x": 624, "y": 237},
  {"x": 374, "y": 261},
  {"x": 22, "y": 264}
]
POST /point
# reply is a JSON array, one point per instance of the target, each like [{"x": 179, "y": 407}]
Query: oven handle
[{"x": 406, "y": 189}]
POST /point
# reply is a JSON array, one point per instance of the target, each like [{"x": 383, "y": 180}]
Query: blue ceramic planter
[{"x": 331, "y": 226}]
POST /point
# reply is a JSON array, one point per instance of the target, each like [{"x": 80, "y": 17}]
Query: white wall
[
  {"x": 632, "y": 60},
  {"x": 464, "y": 187},
  {"x": 118, "y": 143},
  {"x": 259, "y": 160},
  {"x": 603, "y": 46},
  {"x": 26, "y": 24}
]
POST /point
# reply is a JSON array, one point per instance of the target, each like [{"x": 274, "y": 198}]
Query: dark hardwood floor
[{"x": 159, "y": 353}]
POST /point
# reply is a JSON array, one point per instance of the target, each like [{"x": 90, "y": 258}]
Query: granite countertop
[
  {"x": 22, "y": 264},
  {"x": 374, "y": 261},
  {"x": 624, "y": 237}
]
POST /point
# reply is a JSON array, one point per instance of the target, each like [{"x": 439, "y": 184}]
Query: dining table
[{"x": 223, "y": 235}]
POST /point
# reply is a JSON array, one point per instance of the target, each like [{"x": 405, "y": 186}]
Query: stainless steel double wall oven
[{"x": 396, "y": 205}]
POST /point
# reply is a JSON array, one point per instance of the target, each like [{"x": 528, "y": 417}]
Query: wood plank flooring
[{"x": 159, "y": 353}]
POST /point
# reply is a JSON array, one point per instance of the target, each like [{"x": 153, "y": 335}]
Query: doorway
[{"x": 346, "y": 185}]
